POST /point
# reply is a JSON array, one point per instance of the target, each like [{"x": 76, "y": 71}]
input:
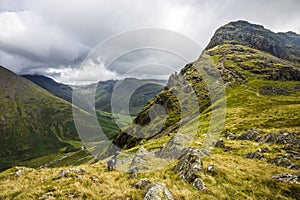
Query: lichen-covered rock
[
  {"x": 22, "y": 170},
  {"x": 251, "y": 134},
  {"x": 219, "y": 143},
  {"x": 174, "y": 147},
  {"x": 254, "y": 155},
  {"x": 283, "y": 162},
  {"x": 157, "y": 191},
  {"x": 140, "y": 161},
  {"x": 190, "y": 166},
  {"x": 292, "y": 178},
  {"x": 282, "y": 137},
  {"x": 142, "y": 183}
]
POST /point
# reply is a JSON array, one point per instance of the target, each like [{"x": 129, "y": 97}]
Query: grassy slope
[
  {"x": 36, "y": 124},
  {"x": 236, "y": 178}
]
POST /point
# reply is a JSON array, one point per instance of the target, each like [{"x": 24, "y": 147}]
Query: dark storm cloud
[{"x": 52, "y": 37}]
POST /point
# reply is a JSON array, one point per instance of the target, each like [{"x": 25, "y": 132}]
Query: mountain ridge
[
  {"x": 239, "y": 65},
  {"x": 282, "y": 45}
]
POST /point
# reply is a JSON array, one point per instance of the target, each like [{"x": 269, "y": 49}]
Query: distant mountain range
[
  {"x": 36, "y": 114},
  {"x": 149, "y": 88}
]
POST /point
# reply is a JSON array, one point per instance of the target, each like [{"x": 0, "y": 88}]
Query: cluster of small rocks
[
  {"x": 22, "y": 170},
  {"x": 292, "y": 178},
  {"x": 291, "y": 140},
  {"x": 66, "y": 172},
  {"x": 221, "y": 144}
]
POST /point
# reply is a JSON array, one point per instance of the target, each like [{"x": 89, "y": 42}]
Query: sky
[{"x": 53, "y": 37}]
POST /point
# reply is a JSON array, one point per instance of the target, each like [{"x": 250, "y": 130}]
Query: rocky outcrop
[
  {"x": 272, "y": 90},
  {"x": 290, "y": 139},
  {"x": 281, "y": 45},
  {"x": 157, "y": 191},
  {"x": 142, "y": 183},
  {"x": 251, "y": 134},
  {"x": 284, "y": 162},
  {"x": 282, "y": 137},
  {"x": 174, "y": 147},
  {"x": 254, "y": 155},
  {"x": 288, "y": 178},
  {"x": 190, "y": 166},
  {"x": 140, "y": 161},
  {"x": 70, "y": 172}
]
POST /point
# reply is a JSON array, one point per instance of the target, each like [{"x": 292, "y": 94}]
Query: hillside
[
  {"x": 33, "y": 122},
  {"x": 149, "y": 88},
  {"x": 58, "y": 89},
  {"x": 252, "y": 78},
  {"x": 206, "y": 145}
]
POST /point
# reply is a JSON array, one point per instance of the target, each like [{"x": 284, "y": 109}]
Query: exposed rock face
[
  {"x": 281, "y": 137},
  {"x": 157, "y": 191},
  {"x": 251, "y": 134},
  {"x": 283, "y": 162},
  {"x": 272, "y": 90},
  {"x": 281, "y": 45},
  {"x": 291, "y": 178},
  {"x": 254, "y": 155},
  {"x": 139, "y": 161},
  {"x": 174, "y": 148},
  {"x": 189, "y": 167},
  {"x": 285, "y": 74},
  {"x": 142, "y": 183}
]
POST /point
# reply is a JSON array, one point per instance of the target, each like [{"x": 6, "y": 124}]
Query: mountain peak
[
  {"x": 243, "y": 23},
  {"x": 281, "y": 45}
]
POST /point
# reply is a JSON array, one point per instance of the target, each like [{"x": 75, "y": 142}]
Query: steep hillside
[
  {"x": 104, "y": 91},
  {"x": 251, "y": 77},
  {"x": 147, "y": 90},
  {"x": 33, "y": 122},
  {"x": 58, "y": 89}
]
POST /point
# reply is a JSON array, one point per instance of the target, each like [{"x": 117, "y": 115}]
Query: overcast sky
[{"x": 52, "y": 37}]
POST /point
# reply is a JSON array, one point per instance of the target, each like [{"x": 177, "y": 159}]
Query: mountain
[
  {"x": 225, "y": 127},
  {"x": 33, "y": 122},
  {"x": 148, "y": 89},
  {"x": 58, "y": 89},
  {"x": 281, "y": 45},
  {"x": 257, "y": 82}
]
